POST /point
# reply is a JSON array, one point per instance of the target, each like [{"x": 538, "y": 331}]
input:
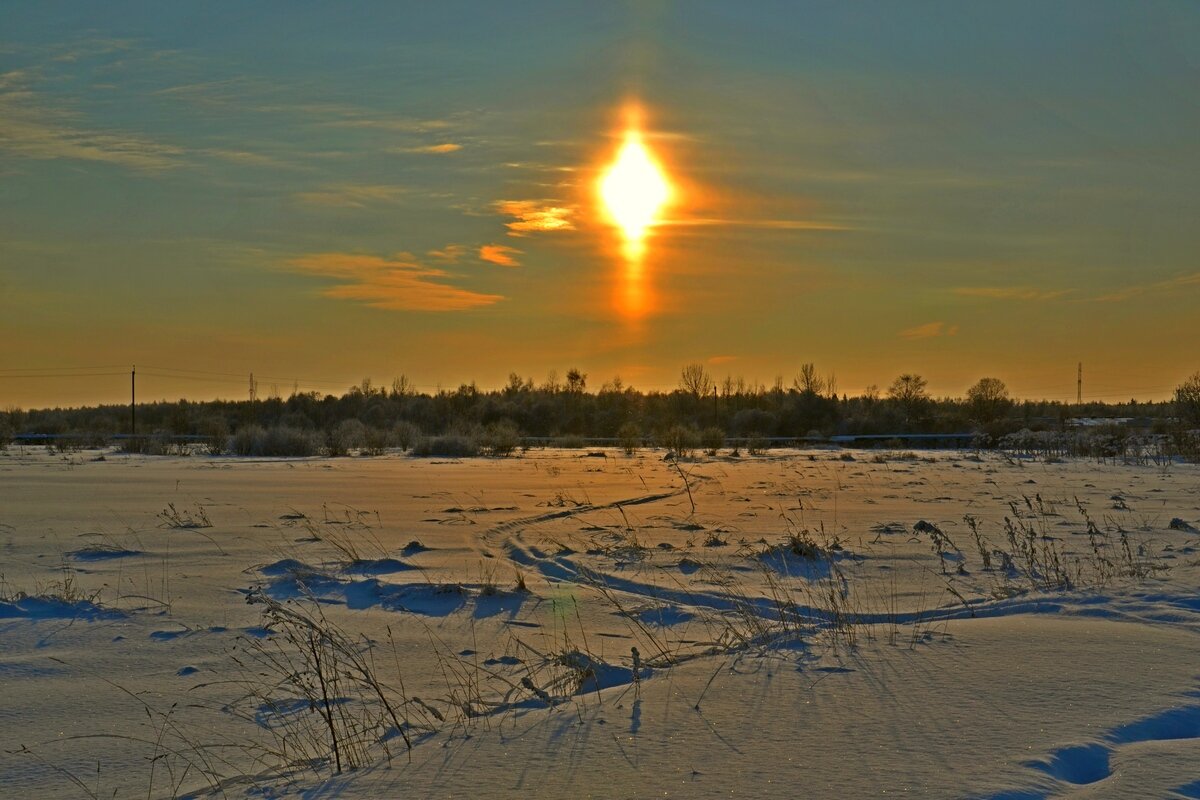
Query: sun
[{"x": 634, "y": 189}]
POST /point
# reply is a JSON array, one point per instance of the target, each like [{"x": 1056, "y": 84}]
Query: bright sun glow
[{"x": 634, "y": 188}]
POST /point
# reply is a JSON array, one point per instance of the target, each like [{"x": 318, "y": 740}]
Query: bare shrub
[
  {"x": 278, "y": 441},
  {"x": 405, "y": 434},
  {"x": 570, "y": 441},
  {"x": 712, "y": 439},
  {"x": 501, "y": 438},
  {"x": 375, "y": 441},
  {"x": 318, "y": 690},
  {"x": 680, "y": 440},
  {"x": 347, "y": 435},
  {"x": 453, "y": 445},
  {"x": 630, "y": 437},
  {"x": 215, "y": 431}
]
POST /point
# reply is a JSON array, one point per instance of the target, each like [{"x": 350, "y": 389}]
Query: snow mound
[{"x": 53, "y": 608}]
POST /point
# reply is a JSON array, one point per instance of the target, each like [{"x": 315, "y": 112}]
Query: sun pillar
[{"x": 633, "y": 190}]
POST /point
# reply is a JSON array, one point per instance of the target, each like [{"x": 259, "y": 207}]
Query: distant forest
[{"x": 700, "y": 413}]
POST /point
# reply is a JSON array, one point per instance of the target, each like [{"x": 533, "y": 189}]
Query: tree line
[{"x": 808, "y": 406}]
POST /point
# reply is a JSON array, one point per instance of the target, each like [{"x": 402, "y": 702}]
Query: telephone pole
[
  {"x": 1079, "y": 385},
  {"x": 133, "y": 401}
]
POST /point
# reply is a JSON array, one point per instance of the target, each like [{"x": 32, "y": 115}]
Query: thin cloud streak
[
  {"x": 393, "y": 124},
  {"x": 1129, "y": 292},
  {"x": 399, "y": 283},
  {"x": 929, "y": 330},
  {"x": 776, "y": 224},
  {"x": 349, "y": 196},
  {"x": 500, "y": 254},
  {"x": 1011, "y": 293},
  {"x": 32, "y": 128},
  {"x": 450, "y": 254},
  {"x": 429, "y": 149},
  {"x": 532, "y": 216}
]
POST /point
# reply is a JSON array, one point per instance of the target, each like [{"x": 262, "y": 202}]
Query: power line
[
  {"x": 61, "y": 375},
  {"x": 61, "y": 369},
  {"x": 242, "y": 375}
]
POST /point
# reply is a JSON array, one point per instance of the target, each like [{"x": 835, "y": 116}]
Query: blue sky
[{"x": 328, "y": 191}]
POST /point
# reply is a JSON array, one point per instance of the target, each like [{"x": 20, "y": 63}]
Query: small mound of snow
[
  {"x": 102, "y": 553},
  {"x": 785, "y": 561},
  {"x": 378, "y": 566},
  {"x": 166, "y": 636},
  {"x": 508, "y": 661},
  {"x": 53, "y": 608},
  {"x": 593, "y": 673},
  {"x": 1174, "y": 723},
  {"x": 288, "y": 567},
  {"x": 1086, "y": 763},
  {"x": 665, "y": 617},
  {"x": 1189, "y": 790}
]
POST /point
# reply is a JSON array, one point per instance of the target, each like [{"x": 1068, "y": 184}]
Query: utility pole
[
  {"x": 1079, "y": 385},
  {"x": 133, "y": 401},
  {"x": 253, "y": 388}
]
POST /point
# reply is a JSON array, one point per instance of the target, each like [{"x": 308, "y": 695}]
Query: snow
[{"x": 813, "y": 626}]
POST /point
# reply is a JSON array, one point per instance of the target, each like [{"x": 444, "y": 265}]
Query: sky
[{"x": 319, "y": 192}]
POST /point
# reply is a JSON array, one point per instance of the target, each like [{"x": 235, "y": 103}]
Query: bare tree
[
  {"x": 988, "y": 400},
  {"x": 807, "y": 381},
  {"x": 615, "y": 386},
  {"x": 402, "y": 387},
  {"x": 576, "y": 381},
  {"x": 908, "y": 392},
  {"x": 516, "y": 384},
  {"x": 696, "y": 380},
  {"x": 1187, "y": 400}
]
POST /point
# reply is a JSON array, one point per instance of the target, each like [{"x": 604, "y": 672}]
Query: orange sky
[{"x": 954, "y": 190}]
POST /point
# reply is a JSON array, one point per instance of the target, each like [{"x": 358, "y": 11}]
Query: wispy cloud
[
  {"x": 350, "y": 196},
  {"x": 450, "y": 254},
  {"x": 1129, "y": 292},
  {"x": 32, "y": 127},
  {"x": 1118, "y": 295},
  {"x": 532, "y": 216},
  {"x": 391, "y": 124},
  {"x": 245, "y": 157},
  {"x": 777, "y": 224},
  {"x": 89, "y": 48},
  {"x": 430, "y": 149},
  {"x": 222, "y": 92},
  {"x": 929, "y": 330},
  {"x": 499, "y": 254},
  {"x": 715, "y": 360},
  {"x": 399, "y": 283},
  {"x": 1011, "y": 292}
]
